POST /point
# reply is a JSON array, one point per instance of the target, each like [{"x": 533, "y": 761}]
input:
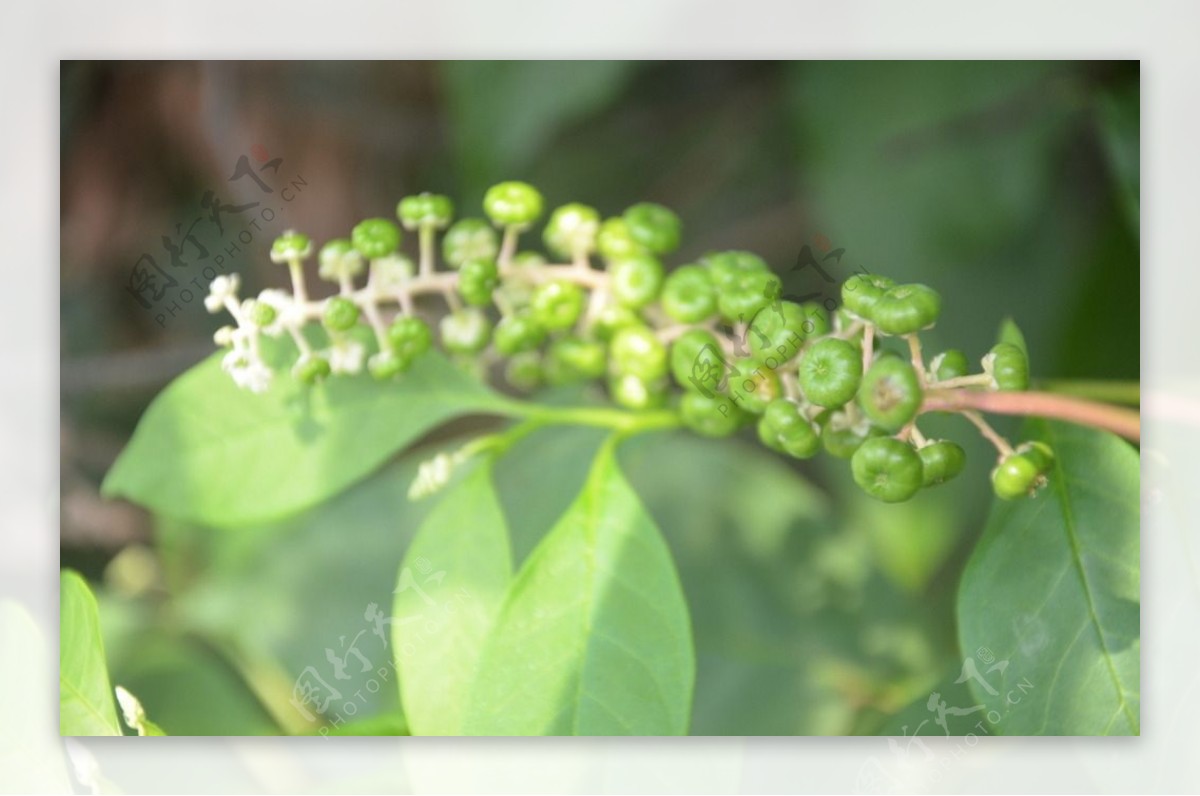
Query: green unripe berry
[
  {"x": 951, "y": 364},
  {"x": 262, "y": 314},
  {"x": 778, "y": 330},
  {"x": 688, "y": 295},
  {"x": 612, "y": 319},
  {"x": 905, "y": 309},
  {"x": 425, "y": 210},
  {"x": 466, "y": 331},
  {"x": 557, "y": 305},
  {"x": 517, "y": 333},
  {"x": 802, "y": 442},
  {"x": 844, "y": 318},
  {"x": 784, "y": 428},
  {"x": 940, "y": 462},
  {"x": 469, "y": 239},
  {"x": 746, "y": 294},
  {"x": 1039, "y": 453},
  {"x": 615, "y": 242},
  {"x": 290, "y": 246},
  {"x": 841, "y": 436},
  {"x": 635, "y": 281},
  {"x": 636, "y": 350},
  {"x": 575, "y": 358},
  {"x": 1009, "y": 367},
  {"x": 653, "y": 226},
  {"x": 634, "y": 392},
  {"x": 409, "y": 337},
  {"x": 571, "y": 230},
  {"x": 890, "y": 394},
  {"x": 339, "y": 258},
  {"x": 830, "y": 372},
  {"x": 696, "y": 361},
  {"x": 817, "y": 322},
  {"x": 340, "y": 315},
  {"x": 1015, "y": 476},
  {"x": 528, "y": 260},
  {"x": 887, "y": 469},
  {"x": 524, "y": 371},
  {"x": 386, "y": 365},
  {"x": 860, "y": 292},
  {"x": 717, "y": 416},
  {"x": 310, "y": 369},
  {"x": 375, "y": 237},
  {"x": 729, "y": 267},
  {"x": 512, "y": 204},
  {"x": 754, "y": 386},
  {"x": 477, "y": 281}
]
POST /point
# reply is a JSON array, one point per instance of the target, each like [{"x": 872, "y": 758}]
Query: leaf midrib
[
  {"x": 1077, "y": 560},
  {"x": 87, "y": 703}
]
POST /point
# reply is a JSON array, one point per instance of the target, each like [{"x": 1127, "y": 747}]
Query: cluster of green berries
[{"x": 713, "y": 340}]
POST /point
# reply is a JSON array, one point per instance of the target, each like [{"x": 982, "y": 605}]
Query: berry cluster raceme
[{"x": 719, "y": 329}]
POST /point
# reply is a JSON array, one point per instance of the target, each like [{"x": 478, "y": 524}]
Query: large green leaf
[
  {"x": 452, "y": 583},
  {"x": 209, "y": 452},
  {"x": 594, "y": 636},
  {"x": 1053, "y": 589},
  {"x": 85, "y": 696}
]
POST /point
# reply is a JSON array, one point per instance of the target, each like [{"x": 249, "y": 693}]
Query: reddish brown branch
[{"x": 1119, "y": 420}]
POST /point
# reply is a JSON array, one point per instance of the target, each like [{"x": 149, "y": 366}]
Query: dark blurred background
[{"x": 1011, "y": 187}]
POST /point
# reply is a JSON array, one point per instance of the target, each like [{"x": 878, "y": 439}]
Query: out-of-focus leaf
[
  {"x": 310, "y": 583},
  {"x": 945, "y": 174},
  {"x": 909, "y": 541},
  {"x": 1052, "y": 590},
  {"x": 209, "y": 452},
  {"x": 85, "y": 694},
  {"x": 796, "y": 630},
  {"x": 1119, "y": 120},
  {"x": 386, "y": 724},
  {"x": 505, "y": 112},
  {"x": 189, "y": 689},
  {"x": 452, "y": 582},
  {"x": 594, "y": 636}
]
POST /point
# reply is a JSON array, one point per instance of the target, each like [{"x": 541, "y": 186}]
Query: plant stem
[
  {"x": 1117, "y": 392},
  {"x": 599, "y": 417},
  {"x": 1125, "y": 422},
  {"x": 989, "y": 433}
]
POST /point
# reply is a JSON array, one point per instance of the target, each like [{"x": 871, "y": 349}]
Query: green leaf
[
  {"x": 594, "y": 636},
  {"x": 452, "y": 582},
  {"x": 85, "y": 696},
  {"x": 1053, "y": 589},
  {"x": 1011, "y": 333},
  {"x": 209, "y": 452}
]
